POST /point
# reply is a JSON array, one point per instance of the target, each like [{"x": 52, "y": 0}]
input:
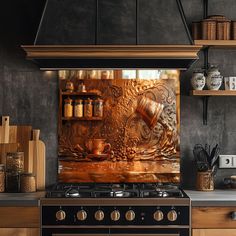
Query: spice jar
[
  {"x": 2, "y": 178},
  {"x": 69, "y": 86},
  {"x": 78, "y": 108},
  {"x": 15, "y": 162},
  {"x": 88, "y": 108},
  {"x": 27, "y": 183},
  {"x": 12, "y": 182},
  {"x": 81, "y": 88},
  {"x": 98, "y": 108},
  {"x": 68, "y": 108}
]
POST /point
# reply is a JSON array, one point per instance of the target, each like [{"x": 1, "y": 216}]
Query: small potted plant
[{"x": 207, "y": 162}]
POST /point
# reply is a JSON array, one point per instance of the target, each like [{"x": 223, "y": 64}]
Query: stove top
[{"x": 113, "y": 190}]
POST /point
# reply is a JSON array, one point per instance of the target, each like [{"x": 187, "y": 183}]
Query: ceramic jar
[
  {"x": 198, "y": 80},
  {"x": 214, "y": 78}
]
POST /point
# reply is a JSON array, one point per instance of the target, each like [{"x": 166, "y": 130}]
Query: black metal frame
[
  {"x": 183, "y": 17},
  {"x": 206, "y": 62}
]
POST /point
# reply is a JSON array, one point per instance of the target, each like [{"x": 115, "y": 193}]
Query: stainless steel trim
[
  {"x": 115, "y": 201},
  {"x": 115, "y": 227}
]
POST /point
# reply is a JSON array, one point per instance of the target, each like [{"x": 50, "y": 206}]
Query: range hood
[{"x": 113, "y": 34}]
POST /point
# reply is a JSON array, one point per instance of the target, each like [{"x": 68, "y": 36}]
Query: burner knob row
[{"x": 171, "y": 216}]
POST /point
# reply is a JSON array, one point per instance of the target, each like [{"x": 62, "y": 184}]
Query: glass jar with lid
[
  {"x": 2, "y": 178},
  {"x": 68, "y": 108},
  {"x": 12, "y": 182},
  {"x": 27, "y": 183},
  {"x": 88, "y": 108},
  {"x": 15, "y": 162}
]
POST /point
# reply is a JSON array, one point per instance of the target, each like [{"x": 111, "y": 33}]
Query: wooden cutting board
[
  {"x": 4, "y": 130},
  {"x": 37, "y": 159},
  {"x": 18, "y": 135},
  {"x": 5, "y": 148}
]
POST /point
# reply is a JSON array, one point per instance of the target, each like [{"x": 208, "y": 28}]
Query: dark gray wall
[{"x": 30, "y": 96}]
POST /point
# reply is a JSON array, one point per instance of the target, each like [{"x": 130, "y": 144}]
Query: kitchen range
[{"x": 115, "y": 209}]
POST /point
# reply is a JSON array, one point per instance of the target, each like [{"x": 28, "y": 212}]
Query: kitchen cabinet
[
  {"x": 19, "y": 221},
  {"x": 213, "y": 221},
  {"x": 116, "y": 22}
]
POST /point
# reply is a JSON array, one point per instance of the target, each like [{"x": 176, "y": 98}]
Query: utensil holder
[{"x": 205, "y": 181}]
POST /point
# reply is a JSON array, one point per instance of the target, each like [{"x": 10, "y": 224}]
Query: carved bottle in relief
[
  {"x": 98, "y": 108},
  {"x": 78, "y": 108},
  {"x": 88, "y": 108}
]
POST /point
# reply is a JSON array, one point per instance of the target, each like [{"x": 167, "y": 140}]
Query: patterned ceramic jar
[
  {"x": 198, "y": 80},
  {"x": 214, "y": 79}
]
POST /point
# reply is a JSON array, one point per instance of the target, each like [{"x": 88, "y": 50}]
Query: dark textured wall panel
[
  {"x": 31, "y": 97},
  {"x": 68, "y": 22},
  {"x": 167, "y": 29},
  {"x": 117, "y": 22}
]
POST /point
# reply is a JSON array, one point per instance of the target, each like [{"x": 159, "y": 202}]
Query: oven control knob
[
  {"x": 130, "y": 215},
  {"x": 158, "y": 215},
  {"x": 81, "y": 215},
  {"x": 99, "y": 215},
  {"x": 60, "y": 215},
  {"x": 172, "y": 215},
  {"x": 115, "y": 215}
]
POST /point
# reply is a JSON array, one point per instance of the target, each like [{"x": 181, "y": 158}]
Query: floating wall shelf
[{"x": 224, "y": 44}]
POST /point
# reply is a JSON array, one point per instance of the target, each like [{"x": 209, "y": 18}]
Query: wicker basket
[
  {"x": 196, "y": 30},
  {"x": 223, "y": 30},
  {"x": 205, "y": 181},
  {"x": 208, "y": 29}
]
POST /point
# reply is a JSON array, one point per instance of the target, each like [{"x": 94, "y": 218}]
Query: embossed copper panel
[{"x": 140, "y": 122}]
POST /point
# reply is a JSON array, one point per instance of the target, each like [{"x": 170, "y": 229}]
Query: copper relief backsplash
[{"x": 136, "y": 140}]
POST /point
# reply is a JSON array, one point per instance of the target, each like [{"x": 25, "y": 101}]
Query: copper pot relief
[
  {"x": 97, "y": 146},
  {"x": 149, "y": 110}
]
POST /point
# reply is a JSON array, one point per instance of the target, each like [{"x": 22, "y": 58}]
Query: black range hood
[{"x": 113, "y": 34}]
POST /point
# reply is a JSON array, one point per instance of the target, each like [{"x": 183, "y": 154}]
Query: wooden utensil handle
[{"x": 36, "y": 133}]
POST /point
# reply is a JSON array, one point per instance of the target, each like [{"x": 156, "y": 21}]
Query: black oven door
[{"x": 119, "y": 231}]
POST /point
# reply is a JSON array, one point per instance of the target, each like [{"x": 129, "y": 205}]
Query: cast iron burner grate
[{"x": 115, "y": 190}]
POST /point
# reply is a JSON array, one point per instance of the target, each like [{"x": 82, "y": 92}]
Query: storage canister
[
  {"x": 88, "y": 108},
  {"x": 68, "y": 108},
  {"x": 12, "y": 182},
  {"x": 2, "y": 178},
  {"x": 196, "y": 30},
  {"x": 233, "y": 27},
  {"x": 209, "y": 29},
  {"x": 27, "y": 183},
  {"x": 98, "y": 108},
  {"x": 15, "y": 162},
  {"x": 78, "y": 108},
  {"x": 223, "y": 30}
]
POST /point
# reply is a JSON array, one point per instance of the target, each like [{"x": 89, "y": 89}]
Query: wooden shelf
[
  {"x": 213, "y": 93},
  {"x": 82, "y": 118},
  {"x": 216, "y": 43},
  {"x": 80, "y": 93}
]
